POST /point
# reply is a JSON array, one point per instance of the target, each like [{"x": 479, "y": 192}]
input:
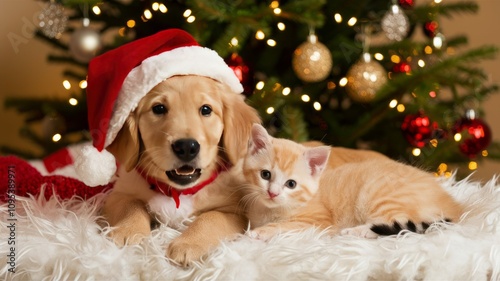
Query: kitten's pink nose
[{"x": 271, "y": 194}]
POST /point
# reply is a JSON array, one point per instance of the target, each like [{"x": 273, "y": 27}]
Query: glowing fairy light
[
  {"x": 457, "y": 137},
  {"x": 56, "y": 137},
  {"x": 73, "y": 101},
  {"x": 378, "y": 56},
  {"x": 352, "y": 21},
  {"x": 337, "y": 17},
  {"x": 259, "y": 35},
  {"x": 274, "y": 4},
  {"x": 317, "y": 106},
  {"x": 472, "y": 165},
  {"x": 66, "y": 85},
  {"x": 191, "y": 19},
  {"x": 130, "y": 23},
  {"x": 187, "y": 13},
  {"x": 400, "y": 108},
  {"x": 286, "y": 91},
  {"x": 155, "y": 6},
  {"x": 305, "y": 98},
  {"x": 271, "y": 42},
  {"x": 343, "y": 81},
  {"x": 270, "y": 110},
  {"x": 96, "y": 10},
  {"x": 147, "y": 14},
  {"x": 234, "y": 41},
  {"x": 277, "y": 11},
  {"x": 260, "y": 85},
  {"x": 395, "y": 59},
  {"x": 416, "y": 151},
  {"x": 393, "y": 103},
  {"x": 281, "y": 26},
  {"x": 163, "y": 8},
  {"x": 83, "y": 84}
]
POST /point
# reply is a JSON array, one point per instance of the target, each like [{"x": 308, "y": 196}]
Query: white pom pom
[{"x": 95, "y": 168}]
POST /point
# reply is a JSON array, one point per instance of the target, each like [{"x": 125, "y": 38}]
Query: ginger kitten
[{"x": 291, "y": 187}]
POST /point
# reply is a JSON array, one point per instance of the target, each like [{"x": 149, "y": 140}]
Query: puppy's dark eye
[
  {"x": 205, "y": 110},
  {"x": 159, "y": 109},
  {"x": 265, "y": 174},
  {"x": 291, "y": 184}
]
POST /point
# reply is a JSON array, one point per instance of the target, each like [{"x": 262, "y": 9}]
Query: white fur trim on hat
[
  {"x": 93, "y": 167},
  {"x": 192, "y": 60}
]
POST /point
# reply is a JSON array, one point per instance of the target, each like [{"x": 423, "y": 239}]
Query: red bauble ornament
[
  {"x": 402, "y": 67},
  {"x": 418, "y": 129},
  {"x": 475, "y": 135},
  {"x": 431, "y": 28},
  {"x": 406, "y": 4},
  {"x": 242, "y": 71}
]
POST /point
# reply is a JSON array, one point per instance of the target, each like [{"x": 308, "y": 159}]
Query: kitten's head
[{"x": 280, "y": 171}]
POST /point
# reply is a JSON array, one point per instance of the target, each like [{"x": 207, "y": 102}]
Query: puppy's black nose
[{"x": 186, "y": 149}]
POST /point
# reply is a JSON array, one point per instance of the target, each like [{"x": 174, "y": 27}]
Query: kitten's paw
[
  {"x": 263, "y": 233},
  {"x": 363, "y": 231}
]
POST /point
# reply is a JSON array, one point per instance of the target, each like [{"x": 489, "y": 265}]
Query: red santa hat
[{"x": 118, "y": 79}]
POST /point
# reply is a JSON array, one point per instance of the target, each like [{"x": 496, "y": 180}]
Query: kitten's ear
[
  {"x": 260, "y": 139},
  {"x": 317, "y": 159}
]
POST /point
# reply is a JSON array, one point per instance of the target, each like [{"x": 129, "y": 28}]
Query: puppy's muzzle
[{"x": 186, "y": 149}]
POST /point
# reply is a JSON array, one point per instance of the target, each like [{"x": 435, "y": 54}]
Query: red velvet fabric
[{"x": 18, "y": 177}]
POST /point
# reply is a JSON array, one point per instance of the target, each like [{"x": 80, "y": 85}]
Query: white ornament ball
[
  {"x": 312, "y": 60},
  {"x": 395, "y": 24},
  {"x": 52, "y": 20},
  {"x": 84, "y": 44},
  {"x": 364, "y": 79}
]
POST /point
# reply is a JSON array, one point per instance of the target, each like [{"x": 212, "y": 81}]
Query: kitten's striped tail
[{"x": 397, "y": 227}]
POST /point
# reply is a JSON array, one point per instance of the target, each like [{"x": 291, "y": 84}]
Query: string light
[
  {"x": 437, "y": 1},
  {"x": 163, "y": 8},
  {"x": 260, "y": 85},
  {"x": 96, "y": 10},
  {"x": 428, "y": 50},
  {"x": 155, "y": 6},
  {"x": 191, "y": 19},
  {"x": 378, "y": 56},
  {"x": 416, "y": 151},
  {"x": 277, "y": 11},
  {"x": 484, "y": 153},
  {"x": 286, "y": 91},
  {"x": 259, "y": 35},
  {"x": 393, "y": 103},
  {"x": 395, "y": 59},
  {"x": 337, "y": 17},
  {"x": 274, "y": 4},
  {"x": 343, "y": 81},
  {"x": 56, "y": 137},
  {"x": 66, "y": 85},
  {"x": 432, "y": 94},
  {"x": 281, "y": 26},
  {"x": 457, "y": 137},
  {"x": 472, "y": 165},
  {"x": 421, "y": 63},
  {"x": 305, "y": 98},
  {"x": 270, "y": 110},
  {"x": 147, "y": 14},
  {"x": 400, "y": 107},
  {"x": 352, "y": 21},
  {"x": 83, "y": 84},
  {"x": 317, "y": 106},
  {"x": 234, "y": 41},
  {"x": 187, "y": 13},
  {"x": 73, "y": 101},
  {"x": 131, "y": 23},
  {"x": 271, "y": 42}
]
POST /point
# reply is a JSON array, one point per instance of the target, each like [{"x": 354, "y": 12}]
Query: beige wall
[{"x": 24, "y": 71}]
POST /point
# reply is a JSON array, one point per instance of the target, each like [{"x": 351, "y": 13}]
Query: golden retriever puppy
[{"x": 182, "y": 133}]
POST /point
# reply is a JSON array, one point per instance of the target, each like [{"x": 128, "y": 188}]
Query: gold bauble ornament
[
  {"x": 312, "y": 61},
  {"x": 364, "y": 79}
]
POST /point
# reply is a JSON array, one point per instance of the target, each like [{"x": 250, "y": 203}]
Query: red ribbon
[{"x": 171, "y": 191}]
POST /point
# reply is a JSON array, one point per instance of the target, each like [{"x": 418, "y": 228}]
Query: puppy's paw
[
  {"x": 185, "y": 252},
  {"x": 363, "y": 231},
  {"x": 128, "y": 236}
]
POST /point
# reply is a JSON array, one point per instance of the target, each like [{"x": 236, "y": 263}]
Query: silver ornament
[
  {"x": 84, "y": 44},
  {"x": 52, "y": 20},
  {"x": 312, "y": 61},
  {"x": 395, "y": 24}
]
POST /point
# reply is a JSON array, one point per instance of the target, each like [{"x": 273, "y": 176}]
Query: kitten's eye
[
  {"x": 159, "y": 109},
  {"x": 291, "y": 184},
  {"x": 265, "y": 174},
  {"x": 205, "y": 110}
]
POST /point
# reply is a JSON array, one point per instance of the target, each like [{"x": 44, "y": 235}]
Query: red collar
[{"x": 171, "y": 191}]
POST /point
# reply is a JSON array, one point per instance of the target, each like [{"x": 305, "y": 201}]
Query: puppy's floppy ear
[
  {"x": 238, "y": 120},
  {"x": 126, "y": 145}
]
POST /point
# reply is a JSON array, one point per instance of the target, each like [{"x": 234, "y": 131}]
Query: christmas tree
[{"x": 348, "y": 73}]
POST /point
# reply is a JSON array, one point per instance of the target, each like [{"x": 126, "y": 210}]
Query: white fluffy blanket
[{"x": 62, "y": 241}]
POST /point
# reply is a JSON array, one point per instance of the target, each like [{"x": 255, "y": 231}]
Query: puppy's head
[{"x": 182, "y": 127}]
